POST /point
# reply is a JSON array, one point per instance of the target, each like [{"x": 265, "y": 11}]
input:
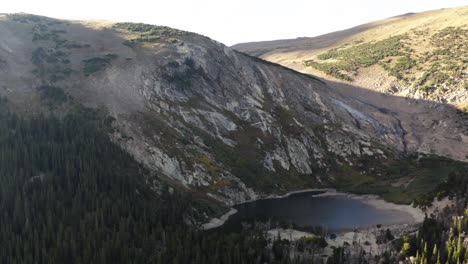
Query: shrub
[
  {"x": 150, "y": 30},
  {"x": 52, "y": 94},
  {"x": 351, "y": 58},
  {"x": 331, "y": 69},
  {"x": 403, "y": 63},
  {"x": 316, "y": 241},
  {"x": 97, "y": 64},
  {"x": 182, "y": 76}
]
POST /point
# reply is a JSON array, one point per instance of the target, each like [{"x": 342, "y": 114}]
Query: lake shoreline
[
  {"x": 219, "y": 221},
  {"x": 373, "y": 200},
  {"x": 318, "y": 190},
  {"x": 379, "y": 203}
]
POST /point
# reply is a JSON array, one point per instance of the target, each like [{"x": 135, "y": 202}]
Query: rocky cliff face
[
  {"x": 413, "y": 66},
  {"x": 210, "y": 118}
]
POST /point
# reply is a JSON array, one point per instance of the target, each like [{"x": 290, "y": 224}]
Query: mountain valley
[{"x": 190, "y": 127}]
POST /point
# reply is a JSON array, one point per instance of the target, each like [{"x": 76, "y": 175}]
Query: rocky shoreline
[
  {"x": 217, "y": 222},
  {"x": 372, "y": 200}
]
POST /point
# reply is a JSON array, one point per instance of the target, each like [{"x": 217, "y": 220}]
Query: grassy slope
[{"x": 417, "y": 30}]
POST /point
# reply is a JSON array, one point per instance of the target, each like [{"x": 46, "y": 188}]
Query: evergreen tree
[{"x": 70, "y": 195}]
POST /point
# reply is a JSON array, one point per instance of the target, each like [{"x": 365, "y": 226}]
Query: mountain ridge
[
  {"x": 118, "y": 140},
  {"x": 423, "y": 39},
  {"x": 214, "y": 120}
]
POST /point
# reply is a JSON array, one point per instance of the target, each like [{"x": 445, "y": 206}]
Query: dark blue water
[{"x": 304, "y": 209}]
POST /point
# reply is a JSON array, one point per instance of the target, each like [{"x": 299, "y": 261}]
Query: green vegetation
[
  {"x": 442, "y": 65},
  {"x": 150, "y": 33},
  {"x": 208, "y": 163},
  {"x": 439, "y": 240},
  {"x": 286, "y": 120},
  {"x": 43, "y": 35},
  {"x": 52, "y": 94},
  {"x": 366, "y": 54},
  {"x": 50, "y": 58},
  {"x": 315, "y": 241},
  {"x": 349, "y": 59},
  {"x": 183, "y": 74},
  {"x": 27, "y": 18},
  {"x": 97, "y": 64},
  {"x": 403, "y": 64},
  {"x": 404, "y": 181},
  {"x": 59, "y": 178},
  {"x": 150, "y": 30},
  {"x": 50, "y": 64},
  {"x": 69, "y": 195},
  {"x": 40, "y": 56},
  {"x": 245, "y": 160},
  {"x": 445, "y": 65},
  {"x": 450, "y": 37},
  {"x": 334, "y": 69}
]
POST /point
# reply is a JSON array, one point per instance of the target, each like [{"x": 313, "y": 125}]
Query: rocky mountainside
[
  {"x": 210, "y": 118},
  {"x": 420, "y": 55}
]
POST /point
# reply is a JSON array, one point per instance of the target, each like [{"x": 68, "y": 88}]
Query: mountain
[
  {"x": 419, "y": 55},
  {"x": 117, "y": 140},
  {"x": 209, "y": 118}
]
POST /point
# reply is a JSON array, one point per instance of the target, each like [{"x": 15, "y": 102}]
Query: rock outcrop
[{"x": 210, "y": 118}]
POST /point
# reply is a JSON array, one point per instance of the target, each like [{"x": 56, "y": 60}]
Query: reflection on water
[{"x": 304, "y": 209}]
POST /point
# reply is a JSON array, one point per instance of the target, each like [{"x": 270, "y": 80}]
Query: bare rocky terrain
[
  {"x": 211, "y": 119},
  {"x": 410, "y": 60}
]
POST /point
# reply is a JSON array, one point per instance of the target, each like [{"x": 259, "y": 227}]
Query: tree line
[{"x": 70, "y": 195}]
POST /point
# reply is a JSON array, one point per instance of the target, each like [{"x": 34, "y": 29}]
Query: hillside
[
  {"x": 117, "y": 140},
  {"x": 420, "y": 55},
  {"x": 216, "y": 121}
]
